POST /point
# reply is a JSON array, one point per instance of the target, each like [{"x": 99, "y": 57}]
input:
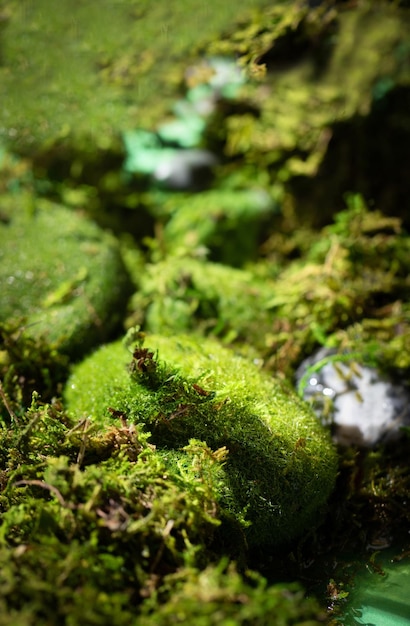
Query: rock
[
  {"x": 366, "y": 408},
  {"x": 280, "y": 465},
  {"x": 189, "y": 169}
]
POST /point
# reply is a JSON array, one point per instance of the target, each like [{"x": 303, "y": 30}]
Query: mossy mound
[
  {"x": 90, "y": 70},
  {"x": 280, "y": 465},
  {"x": 62, "y": 277},
  {"x": 229, "y": 223},
  {"x": 183, "y": 294}
]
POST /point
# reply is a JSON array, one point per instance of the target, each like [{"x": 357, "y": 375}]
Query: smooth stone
[{"x": 366, "y": 409}]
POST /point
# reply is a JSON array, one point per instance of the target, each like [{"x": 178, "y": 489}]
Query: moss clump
[
  {"x": 100, "y": 527},
  {"x": 86, "y": 544},
  {"x": 182, "y": 294},
  {"x": 280, "y": 467},
  {"x": 329, "y": 109},
  {"x": 62, "y": 277},
  {"x": 354, "y": 274},
  {"x": 219, "y": 595},
  {"x": 229, "y": 223}
]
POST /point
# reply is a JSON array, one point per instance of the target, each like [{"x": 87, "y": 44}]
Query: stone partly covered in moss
[
  {"x": 183, "y": 294},
  {"x": 280, "y": 465},
  {"x": 365, "y": 409},
  {"x": 61, "y": 276}
]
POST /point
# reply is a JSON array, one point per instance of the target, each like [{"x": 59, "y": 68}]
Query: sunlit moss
[
  {"x": 185, "y": 294},
  {"x": 280, "y": 466}
]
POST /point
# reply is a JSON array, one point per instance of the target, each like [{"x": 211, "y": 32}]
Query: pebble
[{"x": 365, "y": 408}]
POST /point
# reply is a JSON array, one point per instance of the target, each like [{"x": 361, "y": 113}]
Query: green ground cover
[{"x": 182, "y": 479}]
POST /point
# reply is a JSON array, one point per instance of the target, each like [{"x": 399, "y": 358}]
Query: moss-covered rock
[
  {"x": 90, "y": 71},
  {"x": 280, "y": 466},
  {"x": 62, "y": 277}
]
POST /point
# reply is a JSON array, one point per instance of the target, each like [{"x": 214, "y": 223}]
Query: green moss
[
  {"x": 183, "y": 294},
  {"x": 93, "y": 71},
  {"x": 62, "y": 277},
  {"x": 322, "y": 101},
  {"x": 280, "y": 466},
  {"x": 220, "y": 596},
  {"x": 226, "y": 222},
  {"x": 99, "y": 527},
  {"x": 356, "y": 270},
  {"x": 106, "y": 534}
]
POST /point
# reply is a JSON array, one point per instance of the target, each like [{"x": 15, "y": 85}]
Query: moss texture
[
  {"x": 327, "y": 102},
  {"x": 280, "y": 466},
  {"x": 123, "y": 518},
  {"x": 62, "y": 277},
  {"x": 183, "y": 294},
  {"x": 110, "y": 62}
]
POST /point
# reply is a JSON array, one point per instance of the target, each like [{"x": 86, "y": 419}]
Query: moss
[
  {"x": 183, "y": 294},
  {"x": 355, "y": 270},
  {"x": 228, "y": 223},
  {"x": 63, "y": 278},
  {"x": 219, "y": 595},
  {"x": 280, "y": 466},
  {"x": 107, "y": 534},
  {"x": 324, "y": 103},
  {"x": 100, "y": 527},
  {"x": 92, "y": 72}
]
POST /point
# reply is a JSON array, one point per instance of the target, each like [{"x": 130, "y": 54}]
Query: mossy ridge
[
  {"x": 280, "y": 466},
  {"x": 63, "y": 275}
]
